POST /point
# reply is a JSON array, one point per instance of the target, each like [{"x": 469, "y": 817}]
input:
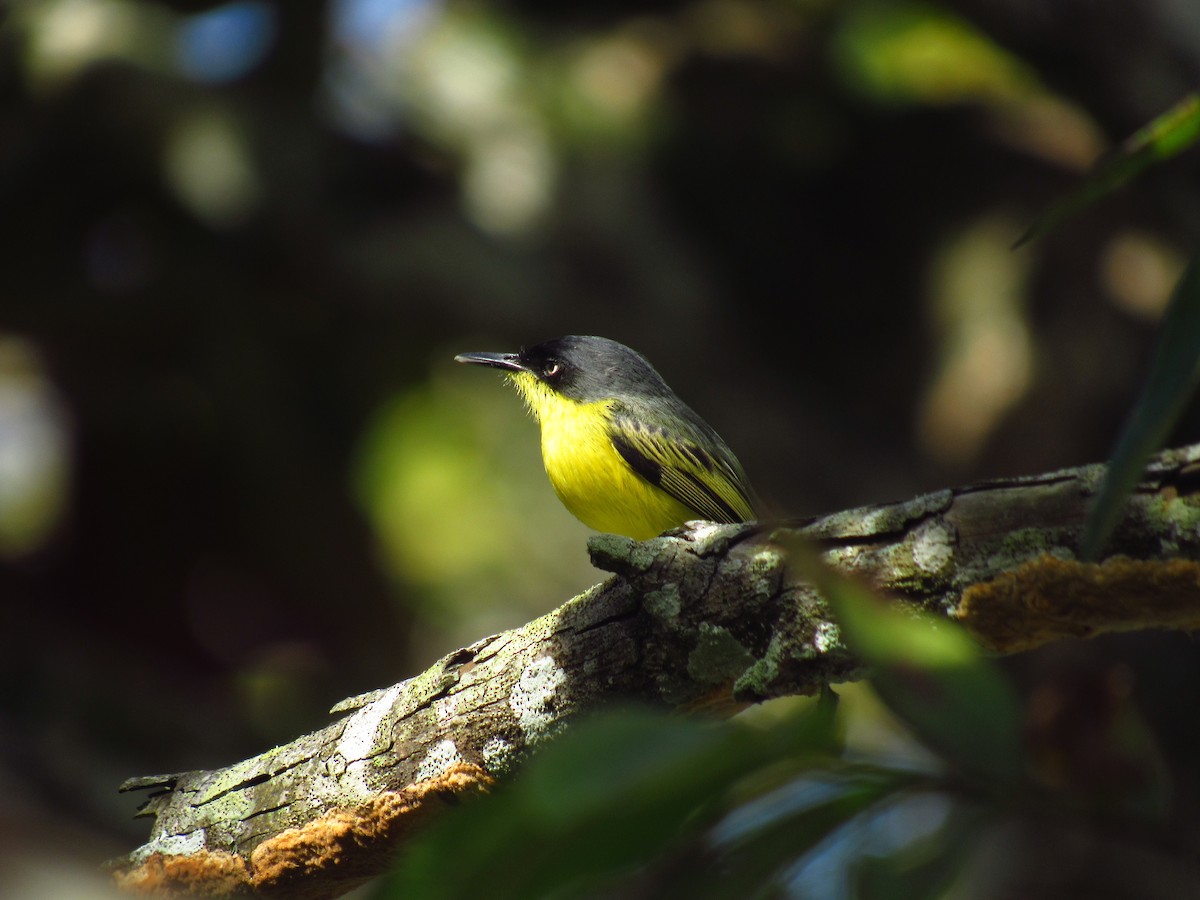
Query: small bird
[{"x": 624, "y": 454}]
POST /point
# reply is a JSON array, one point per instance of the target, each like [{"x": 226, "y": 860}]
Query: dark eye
[{"x": 552, "y": 368}]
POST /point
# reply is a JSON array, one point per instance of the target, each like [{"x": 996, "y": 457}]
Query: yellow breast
[{"x": 589, "y": 476}]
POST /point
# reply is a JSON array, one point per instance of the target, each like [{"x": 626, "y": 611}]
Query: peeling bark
[{"x": 702, "y": 617}]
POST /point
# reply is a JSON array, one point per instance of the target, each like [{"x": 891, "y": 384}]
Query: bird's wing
[{"x": 713, "y": 485}]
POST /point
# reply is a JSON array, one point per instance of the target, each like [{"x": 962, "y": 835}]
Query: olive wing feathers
[{"x": 692, "y": 465}]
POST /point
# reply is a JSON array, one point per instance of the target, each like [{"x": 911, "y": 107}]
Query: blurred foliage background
[{"x": 240, "y": 477}]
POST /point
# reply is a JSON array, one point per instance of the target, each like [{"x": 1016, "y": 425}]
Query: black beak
[{"x": 495, "y": 360}]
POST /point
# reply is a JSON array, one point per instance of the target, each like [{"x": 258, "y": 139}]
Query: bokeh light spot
[
  {"x": 985, "y": 343},
  {"x": 208, "y": 164},
  {"x": 908, "y": 52},
  {"x": 225, "y": 43},
  {"x": 34, "y": 463}
]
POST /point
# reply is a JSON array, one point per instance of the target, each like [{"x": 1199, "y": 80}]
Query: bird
[{"x": 624, "y": 454}]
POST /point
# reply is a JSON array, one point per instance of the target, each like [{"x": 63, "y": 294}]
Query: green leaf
[
  {"x": 1166, "y": 136},
  {"x": 609, "y": 795},
  {"x": 1174, "y": 371},
  {"x": 932, "y": 675}
]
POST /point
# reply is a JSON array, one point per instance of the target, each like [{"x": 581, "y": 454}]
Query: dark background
[{"x": 240, "y": 477}]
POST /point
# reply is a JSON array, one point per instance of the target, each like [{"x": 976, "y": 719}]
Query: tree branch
[{"x": 705, "y": 616}]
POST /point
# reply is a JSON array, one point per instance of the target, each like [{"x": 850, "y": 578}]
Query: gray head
[{"x": 583, "y": 368}]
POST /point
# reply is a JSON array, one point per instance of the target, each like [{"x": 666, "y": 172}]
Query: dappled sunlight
[
  {"x": 34, "y": 456},
  {"x": 1140, "y": 271},
  {"x": 509, "y": 107},
  {"x": 616, "y": 76},
  {"x": 513, "y": 106},
  {"x": 734, "y": 28},
  {"x": 66, "y": 36},
  {"x": 207, "y": 155},
  {"x": 1048, "y": 127},
  {"x": 908, "y": 52},
  {"x": 466, "y": 85},
  {"x": 915, "y": 54},
  {"x": 460, "y": 78},
  {"x": 610, "y": 85},
  {"x": 508, "y": 185},
  {"x": 224, "y": 43},
  {"x": 985, "y": 346},
  {"x": 208, "y": 164}
]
